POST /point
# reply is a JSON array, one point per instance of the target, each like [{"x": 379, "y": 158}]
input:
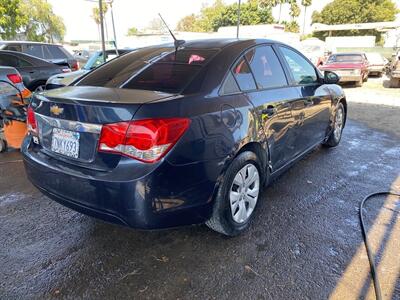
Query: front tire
[
  {"x": 237, "y": 196},
  {"x": 336, "y": 134}
]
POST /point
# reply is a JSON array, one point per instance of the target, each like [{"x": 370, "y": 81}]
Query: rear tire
[
  {"x": 237, "y": 195},
  {"x": 336, "y": 134}
]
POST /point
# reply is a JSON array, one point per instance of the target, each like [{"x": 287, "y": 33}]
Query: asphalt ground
[{"x": 305, "y": 241}]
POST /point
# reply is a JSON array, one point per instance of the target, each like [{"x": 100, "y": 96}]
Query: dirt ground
[{"x": 304, "y": 243}]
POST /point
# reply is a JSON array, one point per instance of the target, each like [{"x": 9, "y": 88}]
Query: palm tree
[{"x": 305, "y": 3}]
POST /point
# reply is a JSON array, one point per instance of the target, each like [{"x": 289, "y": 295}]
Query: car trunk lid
[{"x": 70, "y": 120}]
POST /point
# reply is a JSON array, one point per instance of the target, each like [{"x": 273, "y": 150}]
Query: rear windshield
[
  {"x": 157, "y": 69},
  {"x": 345, "y": 58}
]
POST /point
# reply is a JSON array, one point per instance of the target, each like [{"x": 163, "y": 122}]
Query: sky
[{"x": 138, "y": 13}]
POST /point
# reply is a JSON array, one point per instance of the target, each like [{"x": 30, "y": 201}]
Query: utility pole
[
  {"x": 238, "y": 21},
  {"x": 103, "y": 45},
  {"x": 113, "y": 25}
]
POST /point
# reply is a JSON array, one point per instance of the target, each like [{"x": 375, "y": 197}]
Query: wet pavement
[{"x": 304, "y": 243}]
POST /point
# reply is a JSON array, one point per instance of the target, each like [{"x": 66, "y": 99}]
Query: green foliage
[
  {"x": 355, "y": 11},
  {"x": 34, "y": 19},
  {"x": 291, "y": 26},
  {"x": 218, "y": 15},
  {"x": 132, "y": 31},
  {"x": 11, "y": 18},
  {"x": 306, "y": 3},
  {"x": 96, "y": 12},
  {"x": 294, "y": 9}
]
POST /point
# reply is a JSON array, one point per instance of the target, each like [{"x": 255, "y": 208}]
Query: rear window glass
[
  {"x": 158, "y": 69},
  {"x": 8, "y": 60},
  {"x": 56, "y": 52},
  {"x": 345, "y": 58},
  {"x": 172, "y": 72}
]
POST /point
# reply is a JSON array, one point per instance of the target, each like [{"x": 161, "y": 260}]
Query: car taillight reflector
[
  {"x": 31, "y": 120},
  {"x": 14, "y": 78},
  {"x": 75, "y": 66},
  {"x": 145, "y": 140}
]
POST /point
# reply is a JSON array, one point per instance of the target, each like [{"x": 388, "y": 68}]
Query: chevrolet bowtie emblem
[{"x": 55, "y": 110}]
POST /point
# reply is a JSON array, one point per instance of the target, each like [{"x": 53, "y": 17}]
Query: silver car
[
  {"x": 10, "y": 79},
  {"x": 60, "y": 80}
]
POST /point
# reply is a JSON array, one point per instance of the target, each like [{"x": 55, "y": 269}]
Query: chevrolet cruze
[{"x": 164, "y": 136}]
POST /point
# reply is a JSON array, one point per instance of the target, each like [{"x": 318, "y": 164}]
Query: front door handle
[{"x": 269, "y": 111}]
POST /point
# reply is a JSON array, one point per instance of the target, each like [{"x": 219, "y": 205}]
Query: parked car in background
[
  {"x": 351, "y": 67},
  {"x": 164, "y": 137},
  {"x": 316, "y": 50},
  {"x": 394, "y": 71},
  {"x": 34, "y": 71},
  {"x": 52, "y": 53},
  {"x": 376, "y": 63},
  {"x": 11, "y": 86},
  {"x": 82, "y": 56},
  {"x": 95, "y": 60},
  {"x": 13, "y": 99}
]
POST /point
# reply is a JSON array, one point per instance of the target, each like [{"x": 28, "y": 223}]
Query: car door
[
  {"x": 312, "y": 113},
  {"x": 260, "y": 74}
]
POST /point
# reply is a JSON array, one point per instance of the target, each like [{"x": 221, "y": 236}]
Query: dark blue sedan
[{"x": 164, "y": 137}]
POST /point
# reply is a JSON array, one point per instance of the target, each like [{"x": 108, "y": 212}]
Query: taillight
[
  {"x": 14, "y": 78},
  {"x": 31, "y": 120},
  {"x": 145, "y": 140},
  {"x": 75, "y": 66}
]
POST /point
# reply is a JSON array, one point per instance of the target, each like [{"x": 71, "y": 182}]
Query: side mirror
[{"x": 331, "y": 77}]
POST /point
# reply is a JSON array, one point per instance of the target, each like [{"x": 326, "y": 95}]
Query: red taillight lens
[
  {"x": 14, "y": 78},
  {"x": 75, "y": 66},
  {"x": 145, "y": 140},
  {"x": 31, "y": 120}
]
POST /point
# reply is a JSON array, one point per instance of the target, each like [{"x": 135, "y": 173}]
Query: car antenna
[{"x": 177, "y": 43}]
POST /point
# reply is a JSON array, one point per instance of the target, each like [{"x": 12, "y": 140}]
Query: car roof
[
  {"x": 26, "y": 57},
  {"x": 217, "y": 43},
  {"x": 28, "y": 42}
]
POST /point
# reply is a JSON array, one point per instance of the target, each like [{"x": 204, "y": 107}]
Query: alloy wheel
[
  {"x": 339, "y": 119},
  {"x": 244, "y": 193}
]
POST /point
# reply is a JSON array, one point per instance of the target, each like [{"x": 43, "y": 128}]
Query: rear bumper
[
  {"x": 375, "y": 70},
  {"x": 162, "y": 196},
  {"x": 350, "y": 78}
]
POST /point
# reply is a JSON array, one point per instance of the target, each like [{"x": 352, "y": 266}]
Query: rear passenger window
[
  {"x": 56, "y": 52},
  {"x": 303, "y": 71},
  {"x": 266, "y": 67},
  {"x": 8, "y": 60},
  {"x": 17, "y": 48},
  {"x": 34, "y": 50},
  {"x": 243, "y": 75},
  {"x": 230, "y": 86}
]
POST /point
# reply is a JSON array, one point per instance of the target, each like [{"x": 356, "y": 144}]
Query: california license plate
[{"x": 65, "y": 142}]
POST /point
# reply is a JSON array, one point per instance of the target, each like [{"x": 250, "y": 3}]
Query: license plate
[{"x": 65, "y": 142}]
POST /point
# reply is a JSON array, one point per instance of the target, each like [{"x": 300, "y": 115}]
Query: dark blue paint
[{"x": 179, "y": 189}]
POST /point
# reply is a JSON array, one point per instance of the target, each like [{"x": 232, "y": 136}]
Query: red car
[{"x": 351, "y": 67}]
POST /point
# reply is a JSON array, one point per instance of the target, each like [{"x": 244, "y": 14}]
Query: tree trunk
[
  {"x": 304, "y": 22},
  {"x": 280, "y": 13}
]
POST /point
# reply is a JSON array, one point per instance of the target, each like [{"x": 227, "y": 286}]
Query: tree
[
  {"x": 132, "y": 31},
  {"x": 11, "y": 18},
  {"x": 218, "y": 15},
  {"x": 305, "y": 3},
  {"x": 156, "y": 24},
  {"x": 34, "y": 19},
  {"x": 41, "y": 24},
  {"x": 187, "y": 23},
  {"x": 96, "y": 14},
  {"x": 355, "y": 11}
]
